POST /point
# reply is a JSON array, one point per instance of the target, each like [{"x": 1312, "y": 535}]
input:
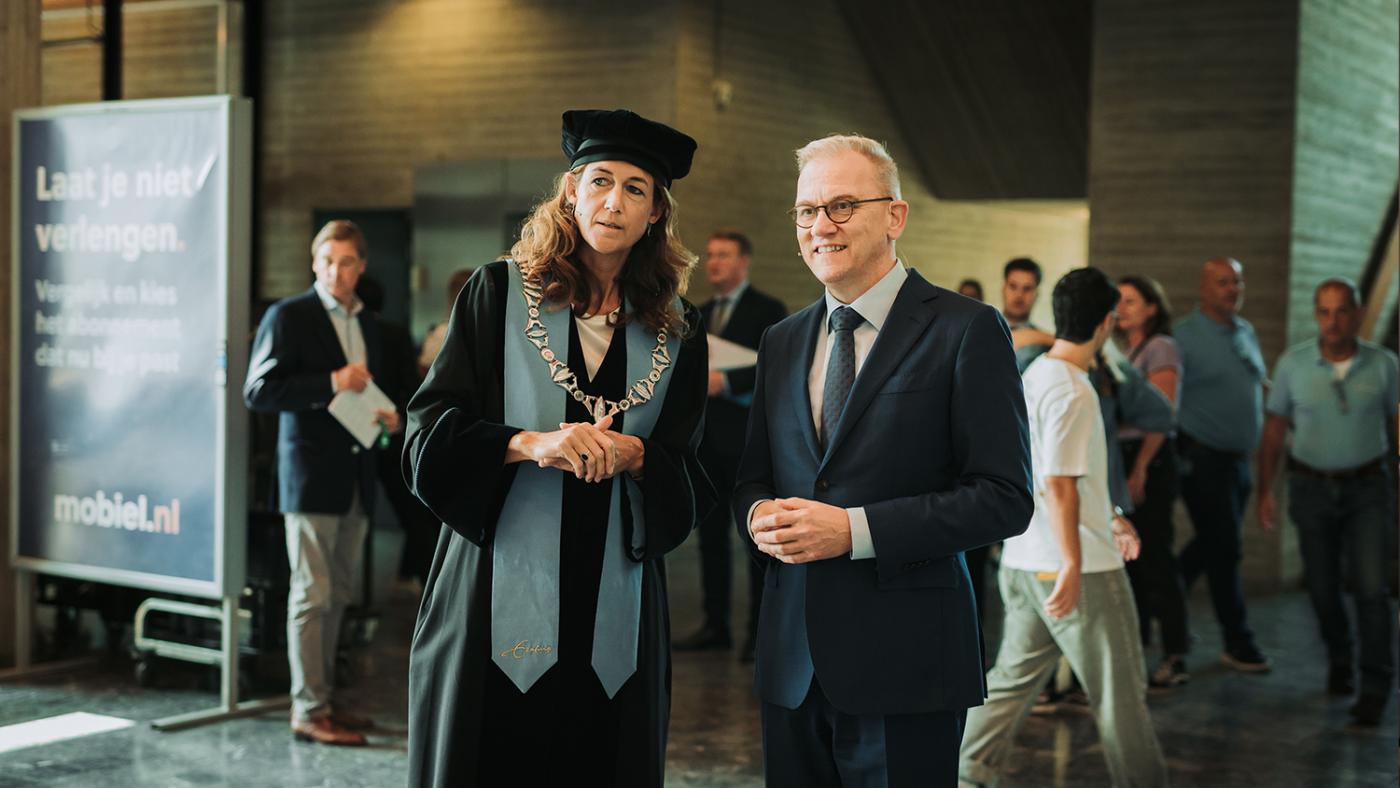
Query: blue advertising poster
[{"x": 121, "y": 280}]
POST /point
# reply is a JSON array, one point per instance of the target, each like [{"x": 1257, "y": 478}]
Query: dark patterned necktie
[
  {"x": 719, "y": 316},
  {"x": 840, "y": 368}
]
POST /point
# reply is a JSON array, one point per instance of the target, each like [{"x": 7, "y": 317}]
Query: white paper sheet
[
  {"x": 356, "y": 412},
  {"x": 726, "y": 355}
]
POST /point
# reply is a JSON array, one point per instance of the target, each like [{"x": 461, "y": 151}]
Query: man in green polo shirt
[{"x": 1338, "y": 395}]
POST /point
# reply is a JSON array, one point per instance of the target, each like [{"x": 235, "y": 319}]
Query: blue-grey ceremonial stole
[{"x": 525, "y": 551}]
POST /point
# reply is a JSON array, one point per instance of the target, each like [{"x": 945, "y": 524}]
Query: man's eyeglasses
[{"x": 838, "y": 211}]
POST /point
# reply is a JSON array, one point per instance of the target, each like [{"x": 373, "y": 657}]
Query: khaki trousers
[
  {"x": 323, "y": 551},
  {"x": 1100, "y": 640}
]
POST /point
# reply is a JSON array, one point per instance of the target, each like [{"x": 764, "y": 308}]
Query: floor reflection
[{"x": 1222, "y": 728}]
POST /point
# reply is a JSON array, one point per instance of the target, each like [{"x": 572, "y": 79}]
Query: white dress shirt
[
  {"x": 873, "y": 305},
  {"x": 346, "y": 324}
]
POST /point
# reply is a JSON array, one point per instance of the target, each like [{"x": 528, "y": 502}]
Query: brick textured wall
[
  {"x": 788, "y": 90},
  {"x": 167, "y": 52},
  {"x": 359, "y": 92}
]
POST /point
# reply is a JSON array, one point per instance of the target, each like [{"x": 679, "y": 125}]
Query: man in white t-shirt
[{"x": 1062, "y": 581}]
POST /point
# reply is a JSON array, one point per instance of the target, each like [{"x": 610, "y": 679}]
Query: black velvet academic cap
[{"x": 621, "y": 135}]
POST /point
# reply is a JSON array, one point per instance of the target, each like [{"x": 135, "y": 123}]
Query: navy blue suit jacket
[
  {"x": 933, "y": 443},
  {"x": 727, "y": 416},
  {"x": 296, "y": 349}
]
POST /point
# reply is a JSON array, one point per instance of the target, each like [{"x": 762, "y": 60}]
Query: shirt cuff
[
  {"x": 862, "y": 546},
  {"x": 748, "y": 521}
]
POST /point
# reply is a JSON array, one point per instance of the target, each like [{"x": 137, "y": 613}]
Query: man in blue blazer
[
  {"x": 310, "y": 347},
  {"x": 887, "y": 436}
]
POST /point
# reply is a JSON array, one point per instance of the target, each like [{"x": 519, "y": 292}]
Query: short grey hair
[{"x": 886, "y": 171}]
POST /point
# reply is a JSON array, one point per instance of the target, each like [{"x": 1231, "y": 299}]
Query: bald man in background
[{"x": 1221, "y": 418}]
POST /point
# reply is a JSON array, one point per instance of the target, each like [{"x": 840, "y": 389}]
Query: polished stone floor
[{"x": 1222, "y": 729}]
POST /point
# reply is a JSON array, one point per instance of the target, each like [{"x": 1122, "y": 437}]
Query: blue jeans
[
  {"x": 1345, "y": 531},
  {"x": 1215, "y": 486}
]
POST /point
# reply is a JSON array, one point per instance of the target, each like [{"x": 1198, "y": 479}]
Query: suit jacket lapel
[
  {"x": 733, "y": 319},
  {"x": 909, "y": 317},
  {"x": 369, "y": 329},
  {"x": 797, "y": 392}
]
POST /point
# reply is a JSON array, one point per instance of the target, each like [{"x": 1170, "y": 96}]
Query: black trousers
[
  {"x": 716, "y": 567},
  {"x": 1155, "y": 576},
  {"x": 818, "y": 746},
  {"x": 1215, "y": 485}
]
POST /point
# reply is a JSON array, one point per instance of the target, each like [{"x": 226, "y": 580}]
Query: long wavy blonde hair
[{"x": 657, "y": 269}]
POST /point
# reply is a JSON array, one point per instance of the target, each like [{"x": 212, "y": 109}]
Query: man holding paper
[
  {"x": 313, "y": 362},
  {"x": 735, "y": 319}
]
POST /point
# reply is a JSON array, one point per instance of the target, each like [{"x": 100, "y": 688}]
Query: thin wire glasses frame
[{"x": 838, "y": 211}]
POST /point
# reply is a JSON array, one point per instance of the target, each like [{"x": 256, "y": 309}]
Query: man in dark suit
[
  {"x": 738, "y": 313},
  {"x": 887, "y": 436},
  {"x": 310, "y": 347}
]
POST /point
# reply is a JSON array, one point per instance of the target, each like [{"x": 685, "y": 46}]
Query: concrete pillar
[
  {"x": 19, "y": 88},
  {"x": 1345, "y": 152},
  {"x": 1260, "y": 130}
]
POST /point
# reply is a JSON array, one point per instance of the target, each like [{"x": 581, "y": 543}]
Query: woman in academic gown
[{"x": 555, "y": 438}]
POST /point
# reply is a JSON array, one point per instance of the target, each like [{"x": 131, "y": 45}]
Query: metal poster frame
[{"x": 230, "y": 278}]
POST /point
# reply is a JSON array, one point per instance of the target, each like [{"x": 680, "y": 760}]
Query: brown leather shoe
[
  {"x": 324, "y": 731},
  {"x": 351, "y": 721}
]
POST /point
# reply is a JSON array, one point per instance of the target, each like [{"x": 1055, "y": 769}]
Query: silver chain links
[{"x": 639, "y": 394}]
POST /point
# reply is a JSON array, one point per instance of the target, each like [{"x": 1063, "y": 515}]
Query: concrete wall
[
  {"x": 1344, "y": 157},
  {"x": 1261, "y": 130},
  {"x": 1191, "y": 146}
]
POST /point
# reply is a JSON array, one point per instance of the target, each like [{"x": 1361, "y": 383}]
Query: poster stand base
[
  {"x": 227, "y": 658},
  {"x": 229, "y": 708},
  {"x": 245, "y": 709}
]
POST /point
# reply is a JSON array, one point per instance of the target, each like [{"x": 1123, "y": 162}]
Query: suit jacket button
[
  {"x": 823, "y": 485},
  {"x": 354, "y": 449}
]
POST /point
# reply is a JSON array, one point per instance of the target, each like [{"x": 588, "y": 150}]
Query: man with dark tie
[
  {"x": 887, "y": 436},
  {"x": 740, "y": 314}
]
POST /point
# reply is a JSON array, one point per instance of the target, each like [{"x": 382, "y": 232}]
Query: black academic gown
[{"x": 468, "y": 725}]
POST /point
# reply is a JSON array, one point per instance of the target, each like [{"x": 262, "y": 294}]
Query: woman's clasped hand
[{"x": 592, "y": 452}]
